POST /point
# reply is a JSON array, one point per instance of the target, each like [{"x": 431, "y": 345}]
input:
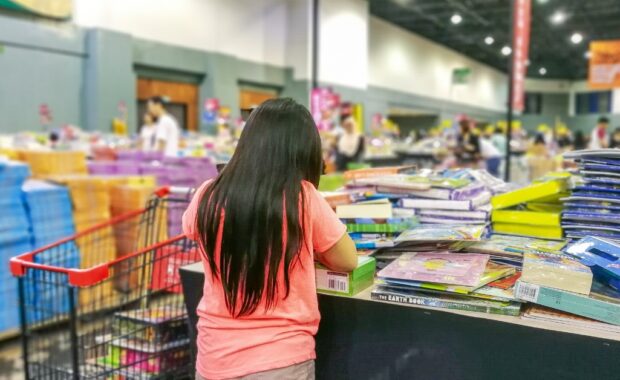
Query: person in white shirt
[
  {"x": 599, "y": 138},
  {"x": 491, "y": 155},
  {"x": 148, "y": 139},
  {"x": 167, "y": 128}
]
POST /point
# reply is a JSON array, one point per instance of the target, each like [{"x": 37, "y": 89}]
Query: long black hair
[{"x": 255, "y": 200}]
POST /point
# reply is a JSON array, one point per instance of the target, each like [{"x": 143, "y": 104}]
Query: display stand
[{"x": 364, "y": 339}]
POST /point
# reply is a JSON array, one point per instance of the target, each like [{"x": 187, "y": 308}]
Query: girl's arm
[{"x": 341, "y": 257}]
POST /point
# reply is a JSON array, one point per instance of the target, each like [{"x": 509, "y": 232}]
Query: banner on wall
[
  {"x": 520, "y": 45},
  {"x": 604, "y": 70},
  {"x": 324, "y": 104},
  {"x": 47, "y": 8}
]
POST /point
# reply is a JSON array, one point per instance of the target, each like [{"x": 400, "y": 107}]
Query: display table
[{"x": 364, "y": 339}]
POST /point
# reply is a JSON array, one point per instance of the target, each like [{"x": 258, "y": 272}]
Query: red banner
[{"x": 522, "y": 14}]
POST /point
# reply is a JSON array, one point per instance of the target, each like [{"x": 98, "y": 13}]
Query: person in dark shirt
[{"x": 468, "y": 148}]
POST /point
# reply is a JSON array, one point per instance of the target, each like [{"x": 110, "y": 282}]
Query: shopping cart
[{"x": 106, "y": 303}]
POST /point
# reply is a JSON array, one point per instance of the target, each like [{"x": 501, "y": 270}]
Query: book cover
[
  {"x": 377, "y": 172},
  {"x": 451, "y": 221},
  {"x": 442, "y": 268},
  {"x": 506, "y": 282},
  {"x": 600, "y": 255},
  {"x": 514, "y": 246},
  {"x": 356, "y": 210},
  {"x": 344, "y": 283},
  {"x": 444, "y": 301},
  {"x": 543, "y": 232},
  {"x": 441, "y": 233},
  {"x": 556, "y": 271},
  {"x": 335, "y": 199},
  {"x": 535, "y": 192},
  {"x": 474, "y": 214},
  {"x": 465, "y": 205},
  {"x": 526, "y": 217},
  {"x": 604, "y": 310}
]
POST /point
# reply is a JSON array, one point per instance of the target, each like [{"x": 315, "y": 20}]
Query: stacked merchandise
[
  {"x": 50, "y": 163},
  {"x": 15, "y": 236},
  {"x": 593, "y": 207},
  {"x": 430, "y": 272},
  {"x": 49, "y": 210},
  {"x": 584, "y": 281},
  {"x": 149, "y": 343},
  {"x": 532, "y": 211}
]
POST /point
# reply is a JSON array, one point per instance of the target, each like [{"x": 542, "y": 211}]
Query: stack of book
[
  {"x": 449, "y": 280},
  {"x": 532, "y": 211},
  {"x": 593, "y": 207},
  {"x": 15, "y": 237}
]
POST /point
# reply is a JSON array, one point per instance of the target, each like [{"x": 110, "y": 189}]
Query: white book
[
  {"x": 466, "y": 205},
  {"x": 475, "y": 214},
  {"x": 368, "y": 210}
]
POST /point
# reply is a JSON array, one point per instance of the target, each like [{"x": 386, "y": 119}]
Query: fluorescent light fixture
[
  {"x": 576, "y": 38},
  {"x": 489, "y": 40},
  {"x": 558, "y": 17},
  {"x": 506, "y": 50},
  {"x": 542, "y": 71},
  {"x": 456, "y": 19}
]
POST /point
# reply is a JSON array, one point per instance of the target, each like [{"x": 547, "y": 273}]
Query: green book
[
  {"x": 385, "y": 228},
  {"x": 344, "y": 283}
]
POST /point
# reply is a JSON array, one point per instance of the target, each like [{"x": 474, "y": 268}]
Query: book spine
[
  {"x": 377, "y": 228},
  {"x": 422, "y": 301}
]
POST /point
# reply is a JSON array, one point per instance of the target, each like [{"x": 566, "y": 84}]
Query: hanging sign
[
  {"x": 522, "y": 14},
  {"x": 604, "y": 70}
]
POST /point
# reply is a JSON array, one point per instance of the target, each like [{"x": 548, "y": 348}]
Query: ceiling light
[
  {"x": 456, "y": 19},
  {"x": 558, "y": 17},
  {"x": 543, "y": 1},
  {"x": 587, "y": 54},
  {"x": 542, "y": 71},
  {"x": 576, "y": 38},
  {"x": 489, "y": 40},
  {"x": 506, "y": 50}
]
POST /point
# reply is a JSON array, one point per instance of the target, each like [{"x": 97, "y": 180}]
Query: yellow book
[
  {"x": 541, "y": 191},
  {"x": 543, "y": 232},
  {"x": 544, "y": 207},
  {"x": 535, "y": 218}
]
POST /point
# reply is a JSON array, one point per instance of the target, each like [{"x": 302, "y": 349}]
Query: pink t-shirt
[{"x": 282, "y": 336}]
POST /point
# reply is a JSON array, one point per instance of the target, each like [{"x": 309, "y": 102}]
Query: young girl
[{"x": 260, "y": 225}]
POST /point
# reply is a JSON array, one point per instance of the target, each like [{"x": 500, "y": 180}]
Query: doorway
[{"x": 183, "y": 100}]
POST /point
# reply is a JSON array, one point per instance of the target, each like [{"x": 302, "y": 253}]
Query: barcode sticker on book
[
  {"x": 332, "y": 281},
  {"x": 527, "y": 292}
]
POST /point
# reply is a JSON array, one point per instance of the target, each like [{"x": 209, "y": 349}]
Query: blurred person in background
[
  {"x": 579, "y": 142},
  {"x": 167, "y": 127},
  {"x": 148, "y": 139},
  {"x": 499, "y": 141},
  {"x": 539, "y": 160},
  {"x": 491, "y": 155},
  {"x": 599, "y": 138},
  {"x": 614, "y": 141},
  {"x": 468, "y": 144},
  {"x": 350, "y": 145}
]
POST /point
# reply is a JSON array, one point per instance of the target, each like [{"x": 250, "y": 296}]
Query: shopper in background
[
  {"x": 614, "y": 141},
  {"x": 499, "y": 141},
  {"x": 148, "y": 139},
  {"x": 540, "y": 161},
  {"x": 599, "y": 138},
  {"x": 260, "y": 225},
  {"x": 580, "y": 141},
  {"x": 491, "y": 155},
  {"x": 167, "y": 128},
  {"x": 468, "y": 144},
  {"x": 350, "y": 145}
]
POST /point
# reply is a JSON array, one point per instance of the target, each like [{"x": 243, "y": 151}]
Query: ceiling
[{"x": 550, "y": 47}]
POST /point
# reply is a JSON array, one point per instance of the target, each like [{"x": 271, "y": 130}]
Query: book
[
  {"x": 526, "y": 217},
  {"x": 440, "y": 233},
  {"x": 598, "y": 307},
  {"x": 466, "y": 205},
  {"x": 492, "y": 272},
  {"x": 335, "y": 198},
  {"x": 446, "y": 220},
  {"x": 556, "y": 271},
  {"x": 443, "y": 268},
  {"x": 345, "y": 283},
  {"x": 513, "y": 246},
  {"x": 463, "y": 193},
  {"x": 506, "y": 282},
  {"x": 374, "y": 243},
  {"x": 351, "y": 175},
  {"x": 380, "y": 228},
  {"x": 480, "y": 213},
  {"x": 537, "y": 191},
  {"x": 357, "y": 210},
  {"x": 398, "y": 181},
  {"x": 543, "y": 232},
  {"x": 445, "y": 301},
  {"x": 600, "y": 255},
  {"x": 544, "y": 207},
  {"x": 403, "y": 212},
  {"x": 593, "y": 154},
  {"x": 589, "y": 216},
  {"x": 542, "y": 313}
]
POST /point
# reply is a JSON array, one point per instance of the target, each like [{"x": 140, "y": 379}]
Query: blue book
[
  {"x": 600, "y": 206},
  {"x": 602, "y": 256}
]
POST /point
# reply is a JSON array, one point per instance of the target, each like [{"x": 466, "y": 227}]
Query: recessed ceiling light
[
  {"x": 489, "y": 40},
  {"x": 587, "y": 54},
  {"x": 558, "y": 17},
  {"x": 542, "y": 71},
  {"x": 456, "y": 19},
  {"x": 506, "y": 50},
  {"x": 576, "y": 38}
]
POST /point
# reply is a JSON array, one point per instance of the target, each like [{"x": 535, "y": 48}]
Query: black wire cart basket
[{"x": 107, "y": 303}]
